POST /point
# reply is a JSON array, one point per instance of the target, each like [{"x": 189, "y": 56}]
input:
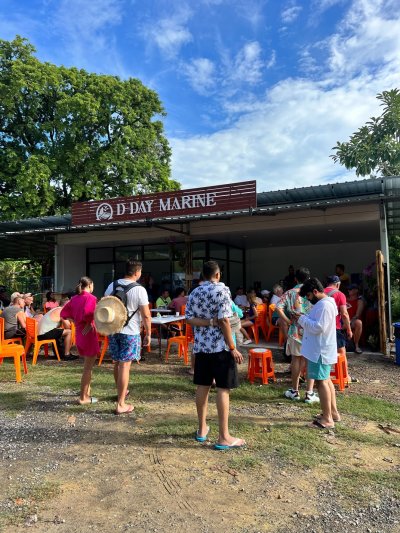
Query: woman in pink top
[
  {"x": 80, "y": 309},
  {"x": 179, "y": 300},
  {"x": 51, "y": 302}
]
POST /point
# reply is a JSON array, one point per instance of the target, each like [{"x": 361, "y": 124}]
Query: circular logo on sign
[{"x": 104, "y": 212}]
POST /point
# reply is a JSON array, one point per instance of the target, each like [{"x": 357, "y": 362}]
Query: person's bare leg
[
  {"x": 224, "y": 436},
  {"x": 192, "y": 360},
  {"x": 88, "y": 363},
  {"x": 335, "y": 413},
  {"x": 122, "y": 386},
  {"x": 202, "y": 392},
  {"x": 283, "y": 326},
  {"x": 67, "y": 341},
  {"x": 357, "y": 332},
  {"x": 244, "y": 333},
  {"x": 325, "y": 397},
  {"x": 116, "y": 363},
  {"x": 310, "y": 385},
  {"x": 296, "y": 366}
]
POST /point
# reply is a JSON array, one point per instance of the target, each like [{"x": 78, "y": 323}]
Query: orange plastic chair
[
  {"x": 16, "y": 351},
  {"x": 183, "y": 342},
  {"x": 14, "y": 340},
  {"x": 104, "y": 346},
  {"x": 31, "y": 338},
  {"x": 260, "y": 322},
  {"x": 340, "y": 373},
  {"x": 261, "y": 365},
  {"x": 272, "y": 328}
]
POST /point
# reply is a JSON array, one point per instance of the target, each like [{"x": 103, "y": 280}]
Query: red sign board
[{"x": 206, "y": 200}]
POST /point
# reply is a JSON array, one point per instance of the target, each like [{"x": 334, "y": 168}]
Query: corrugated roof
[{"x": 34, "y": 237}]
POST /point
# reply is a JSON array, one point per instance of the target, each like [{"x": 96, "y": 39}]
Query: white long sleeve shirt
[{"x": 319, "y": 337}]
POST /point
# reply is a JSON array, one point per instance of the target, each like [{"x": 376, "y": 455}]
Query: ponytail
[{"x": 84, "y": 282}]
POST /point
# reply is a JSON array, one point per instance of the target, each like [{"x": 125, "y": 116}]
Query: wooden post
[{"x": 380, "y": 277}]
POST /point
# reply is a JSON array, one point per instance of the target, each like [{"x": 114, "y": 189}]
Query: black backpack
[{"x": 121, "y": 292}]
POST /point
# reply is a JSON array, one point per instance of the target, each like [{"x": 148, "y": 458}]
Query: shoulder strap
[
  {"x": 127, "y": 288},
  {"x": 333, "y": 291}
]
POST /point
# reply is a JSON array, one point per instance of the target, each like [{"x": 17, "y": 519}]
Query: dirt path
[{"x": 80, "y": 470}]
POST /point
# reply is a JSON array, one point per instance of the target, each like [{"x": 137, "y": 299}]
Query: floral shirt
[
  {"x": 291, "y": 302},
  {"x": 207, "y": 301}
]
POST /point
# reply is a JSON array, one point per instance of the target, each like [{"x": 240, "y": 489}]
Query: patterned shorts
[{"x": 124, "y": 347}]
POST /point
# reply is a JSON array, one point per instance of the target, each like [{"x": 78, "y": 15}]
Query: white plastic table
[{"x": 160, "y": 321}]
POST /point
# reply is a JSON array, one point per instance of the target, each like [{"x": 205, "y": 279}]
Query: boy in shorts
[{"x": 320, "y": 349}]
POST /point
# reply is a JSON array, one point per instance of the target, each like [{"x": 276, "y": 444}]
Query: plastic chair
[
  {"x": 104, "y": 346},
  {"x": 260, "y": 322},
  {"x": 272, "y": 328},
  {"x": 16, "y": 351},
  {"x": 260, "y": 365},
  {"x": 31, "y": 338},
  {"x": 183, "y": 342},
  {"x": 340, "y": 374},
  {"x": 14, "y": 340}
]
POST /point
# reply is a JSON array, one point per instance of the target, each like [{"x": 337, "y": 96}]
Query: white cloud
[
  {"x": 247, "y": 66},
  {"x": 169, "y": 34},
  {"x": 285, "y": 139},
  {"x": 86, "y": 30},
  {"x": 290, "y": 13},
  {"x": 200, "y": 74}
]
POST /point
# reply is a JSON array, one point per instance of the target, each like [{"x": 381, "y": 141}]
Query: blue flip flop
[
  {"x": 201, "y": 439},
  {"x": 230, "y": 446}
]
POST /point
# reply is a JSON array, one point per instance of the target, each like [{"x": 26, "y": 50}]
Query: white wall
[
  {"x": 269, "y": 265},
  {"x": 71, "y": 266}
]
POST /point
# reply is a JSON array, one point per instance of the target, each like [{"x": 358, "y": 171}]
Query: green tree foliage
[
  {"x": 375, "y": 148},
  {"x": 69, "y": 135}
]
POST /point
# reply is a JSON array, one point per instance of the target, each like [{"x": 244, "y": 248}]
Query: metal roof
[{"x": 35, "y": 237}]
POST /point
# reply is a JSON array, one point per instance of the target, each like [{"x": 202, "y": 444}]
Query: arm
[
  {"x": 146, "y": 318},
  {"x": 360, "y": 309},
  {"x": 346, "y": 320},
  {"x": 282, "y": 315},
  {"x": 202, "y": 322},
  {"x": 225, "y": 326},
  {"x": 21, "y": 317}
]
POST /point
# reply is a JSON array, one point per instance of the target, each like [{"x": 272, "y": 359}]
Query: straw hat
[{"x": 110, "y": 315}]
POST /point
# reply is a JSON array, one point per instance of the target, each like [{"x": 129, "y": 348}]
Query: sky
[{"x": 253, "y": 89}]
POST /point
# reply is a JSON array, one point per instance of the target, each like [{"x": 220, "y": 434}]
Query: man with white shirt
[
  {"x": 240, "y": 298},
  {"x": 320, "y": 349}
]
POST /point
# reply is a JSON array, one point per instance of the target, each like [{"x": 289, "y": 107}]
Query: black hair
[
  {"x": 310, "y": 285},
  {"x": 340, "y": 266},
  {"x": 302, "y": 274},
  {"x": 179, "y": 291},
  {"x": 48, "y": 296},
  {"x": 132, "y": 266},
  {"x": 210, "y": 268},
  {"x": 83, "y": 284}
]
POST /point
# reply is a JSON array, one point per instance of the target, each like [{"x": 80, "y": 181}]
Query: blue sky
[{"x": 254, "y": 89}]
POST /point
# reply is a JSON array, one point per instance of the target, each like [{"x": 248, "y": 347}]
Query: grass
[
  {"x": 23, "y": 501},
  {"x": 360, "y": 486},
  {"x": 366, "y": 407}
]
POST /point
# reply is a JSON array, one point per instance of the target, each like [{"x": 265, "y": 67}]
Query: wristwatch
[{"x": 211, "y": 322}]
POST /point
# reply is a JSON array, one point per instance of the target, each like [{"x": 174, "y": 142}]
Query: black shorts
[
  {"x": 220, "y": 366},
  {"x": 56, "y": 334},
  {"x": 341, "y": 338}
]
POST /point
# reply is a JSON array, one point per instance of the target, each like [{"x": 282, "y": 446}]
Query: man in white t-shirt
[
  {"x": 319, "y": 348},
  {"x": 125, "y": 346}
]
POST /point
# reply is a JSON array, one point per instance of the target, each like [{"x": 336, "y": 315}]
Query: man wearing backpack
[
  {"x": 125, "y": 346},
  {"x": 343, "y": 328}
]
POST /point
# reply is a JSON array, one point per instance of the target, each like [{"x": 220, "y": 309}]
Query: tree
[
  {"x": 68, "y": 135},
  {"x": 375, "y": 148}
]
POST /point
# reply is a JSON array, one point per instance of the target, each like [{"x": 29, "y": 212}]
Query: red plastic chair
[
  {"x": 260, "y": 365},
  {"x": 340, "y": 374},
  {"x": 14, "y": 340}
]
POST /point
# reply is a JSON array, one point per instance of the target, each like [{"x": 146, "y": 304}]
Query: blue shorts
[
  {"x": 124, "y": 348},
  {"x": 341, "y": 338},
  {"x": 318, "y": 370}
]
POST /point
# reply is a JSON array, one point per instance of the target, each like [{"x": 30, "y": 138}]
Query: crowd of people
[{"x": 317, "y": 322}]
